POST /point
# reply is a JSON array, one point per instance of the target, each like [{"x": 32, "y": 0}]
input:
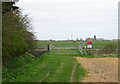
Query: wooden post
[{"x": 48, "y": 47}]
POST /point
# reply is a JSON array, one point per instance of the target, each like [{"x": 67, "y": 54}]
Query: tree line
[{"x": 17, "y": 37}]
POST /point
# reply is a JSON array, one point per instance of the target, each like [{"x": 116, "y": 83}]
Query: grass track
[
  {"x": 66, "y": 52},
  {"x": 50, "y": 67}
]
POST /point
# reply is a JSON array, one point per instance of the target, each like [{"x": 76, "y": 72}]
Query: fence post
[{"x": 48, "y": 47}]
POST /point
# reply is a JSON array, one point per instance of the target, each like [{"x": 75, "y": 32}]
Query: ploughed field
[
  {"x": 100, "y": 69},
  {"x": 65, "y": 63}
]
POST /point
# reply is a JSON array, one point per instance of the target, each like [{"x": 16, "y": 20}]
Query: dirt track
[{"x": 100, "y": 69}]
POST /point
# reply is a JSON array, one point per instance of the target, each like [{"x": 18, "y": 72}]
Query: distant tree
[{"x": 94, "y": 37}]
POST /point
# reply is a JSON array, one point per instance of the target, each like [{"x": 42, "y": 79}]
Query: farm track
[{"x": 100, "y": 69}]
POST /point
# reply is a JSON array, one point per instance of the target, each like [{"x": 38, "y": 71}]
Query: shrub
[{"x": 110, "y": 48}]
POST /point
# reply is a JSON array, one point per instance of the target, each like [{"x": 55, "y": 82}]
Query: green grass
[
  {"x": 96, "y": 44},
  {"x": 17, "y": 62},
  {"x": 66, "y": 44},
  {"x": 50, "y": 67},
  {"x": 43, "y": 44},
  {"x": 91, "y": 56},
  {"x": 101, "y": 44}
]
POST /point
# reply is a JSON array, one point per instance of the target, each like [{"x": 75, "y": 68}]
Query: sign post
[{"x": 89, "y": 45}]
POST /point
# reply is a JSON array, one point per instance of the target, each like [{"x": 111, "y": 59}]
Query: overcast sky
[{"x": 59, "y": 19}]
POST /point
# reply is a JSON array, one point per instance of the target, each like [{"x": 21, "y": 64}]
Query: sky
[{"x": 71, "y": 19}]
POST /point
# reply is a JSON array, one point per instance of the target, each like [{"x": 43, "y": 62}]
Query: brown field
[{"x": 100, "y": 69}]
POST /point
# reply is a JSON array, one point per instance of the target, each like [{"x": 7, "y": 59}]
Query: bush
[{"x": 110, "y": 48}]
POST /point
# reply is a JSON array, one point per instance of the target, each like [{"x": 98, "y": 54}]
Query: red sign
[{"x": 89, "y": 43}]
